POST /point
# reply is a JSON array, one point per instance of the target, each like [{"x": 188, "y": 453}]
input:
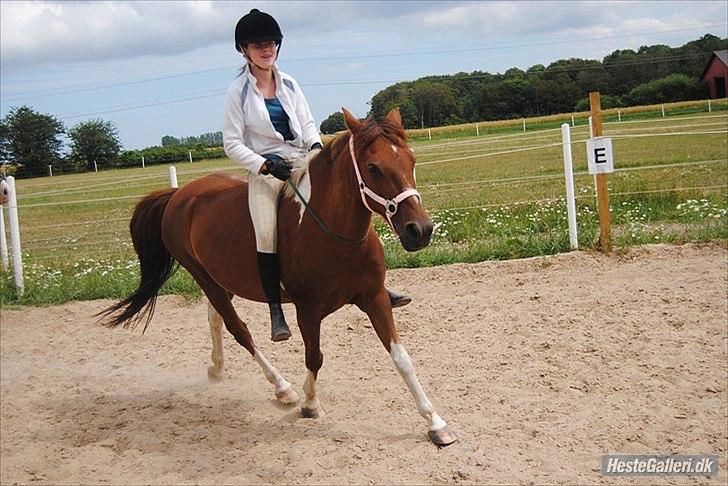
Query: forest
[{"x": 651, "y": 74}]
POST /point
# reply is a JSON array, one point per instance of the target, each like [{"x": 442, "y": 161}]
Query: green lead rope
[{"x": 320, "y": 222}]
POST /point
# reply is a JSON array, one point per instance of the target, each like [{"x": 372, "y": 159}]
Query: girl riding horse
[{"x": 267, "y": 124}]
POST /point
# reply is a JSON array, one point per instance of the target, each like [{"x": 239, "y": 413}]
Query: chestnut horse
[{"x": 328, "y": 252}]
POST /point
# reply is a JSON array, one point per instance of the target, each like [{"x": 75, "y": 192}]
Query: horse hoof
[
  {"x": 442, "y": 437},
  {"x": 310, "y": 413},
  {"x": 213, "y": 375},
  {"x": 288, "y": 396}
]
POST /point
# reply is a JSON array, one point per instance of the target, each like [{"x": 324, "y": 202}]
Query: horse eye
[{"x": 373, "y": 169}]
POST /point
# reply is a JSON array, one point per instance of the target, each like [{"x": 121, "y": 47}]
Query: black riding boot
[
  {"x": 270, "y": 277},
  {"x": 398, "y": 300}
]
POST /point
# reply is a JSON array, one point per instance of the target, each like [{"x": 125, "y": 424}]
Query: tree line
[
  {"x": 649, "y": 75},
  {"x": 31, "y": 141}
]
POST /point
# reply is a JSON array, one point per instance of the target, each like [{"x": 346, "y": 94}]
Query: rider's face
[{"x": 263, "y": 54}]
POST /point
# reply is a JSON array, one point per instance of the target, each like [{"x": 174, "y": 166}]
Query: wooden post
[{"x": 605, "y": 232}]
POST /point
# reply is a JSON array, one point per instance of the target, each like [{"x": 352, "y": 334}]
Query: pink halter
[{"x": 390, "y": 205}]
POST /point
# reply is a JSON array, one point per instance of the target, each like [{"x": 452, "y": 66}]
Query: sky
[{"x": 163, "y": 68}]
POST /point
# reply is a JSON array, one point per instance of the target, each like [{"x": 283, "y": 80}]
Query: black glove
[
  {"x": 278, "y": 167},
  {"x": 316, "y": 146}
]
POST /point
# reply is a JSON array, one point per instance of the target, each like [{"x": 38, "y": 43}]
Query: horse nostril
[{"x": 413, "y": 231}]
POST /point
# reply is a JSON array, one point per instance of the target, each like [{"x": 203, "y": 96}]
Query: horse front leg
[
  {"x": 284, "y": 392},
  {"x": 379, "y": 311},
  {"x": 310, "y": 325}
]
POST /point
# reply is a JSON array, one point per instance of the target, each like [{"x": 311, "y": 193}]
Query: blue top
[{"x": 279, "y": 118}]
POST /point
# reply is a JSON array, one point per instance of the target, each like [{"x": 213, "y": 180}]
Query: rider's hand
[
  {"x": 278, "y": 167},
  {"x": 315, "y": 149}
]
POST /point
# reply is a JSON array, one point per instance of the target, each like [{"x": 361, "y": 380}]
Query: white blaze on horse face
[
  {"x": 271, "y": 373},
  {"x": 394, "y": 148},
  {"x": 404, "y": 365},
  {"x": 304, "y": 187}
]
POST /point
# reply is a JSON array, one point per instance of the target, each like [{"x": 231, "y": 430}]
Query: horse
[{"x": 206, "y": 227}]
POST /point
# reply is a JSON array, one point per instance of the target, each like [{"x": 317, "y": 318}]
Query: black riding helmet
[{"x": 257, "y": 26}]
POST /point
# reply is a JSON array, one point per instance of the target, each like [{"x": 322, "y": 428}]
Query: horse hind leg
[
  {"x": 214, "y": 372},
  {"x": 284, "y": 391},
  {"x": 221, "y": 310}
]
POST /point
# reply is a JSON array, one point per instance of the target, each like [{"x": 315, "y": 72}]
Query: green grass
[{"x": 501, "y": 202}]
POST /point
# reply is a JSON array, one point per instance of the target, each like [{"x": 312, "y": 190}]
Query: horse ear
[
  {"x": 351, "y": 122},
  {"x": 395, "y": 117}
]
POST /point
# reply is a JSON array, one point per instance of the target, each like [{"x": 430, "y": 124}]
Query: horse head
[{"x": 385, "y": 169}]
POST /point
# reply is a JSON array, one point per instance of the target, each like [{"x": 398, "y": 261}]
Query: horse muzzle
[{"x": 416, "y": 234}]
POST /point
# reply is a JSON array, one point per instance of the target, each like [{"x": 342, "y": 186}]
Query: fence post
[
  {"x": 572, "y": 120},
  {"x": 663, "y": 111},
  {"x": 605, "y": 231},
  {"x": 524, "y": 125},
  {"x": 142, "y": 161},
  {"x": 3, "y": 241},
  {"x": 709, "y": 107},
  {"x": 15, "y": 238},
  {"x": 173, "y": 177},
  {"x": 477, "y": 130},
  {"x": 429, "y": 134},
  {"x": 619, "y": 116},
  {"x": 96, "y": 167},
  {"x": 190, "y": 152},
  {"x": 569, "y": 174},
  {"x": 50, "y": 170}
]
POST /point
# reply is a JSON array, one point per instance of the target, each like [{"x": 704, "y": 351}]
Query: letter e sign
[{"x": 599, "y": 154}]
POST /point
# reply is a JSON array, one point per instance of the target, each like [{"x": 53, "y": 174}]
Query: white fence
[{"x": 445, "y": 152}]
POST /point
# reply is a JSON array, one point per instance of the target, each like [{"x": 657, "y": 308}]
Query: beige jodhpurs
[{"x": 263, "y": 191}]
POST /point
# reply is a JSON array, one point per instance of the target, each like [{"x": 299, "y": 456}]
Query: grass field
[{"x": 495, "y": 196}]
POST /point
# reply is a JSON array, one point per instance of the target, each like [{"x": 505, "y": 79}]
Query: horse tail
[{"x": 156, "y": 262}]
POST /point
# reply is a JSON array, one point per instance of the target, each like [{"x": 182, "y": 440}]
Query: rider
[{"x": 267, "y": 123}]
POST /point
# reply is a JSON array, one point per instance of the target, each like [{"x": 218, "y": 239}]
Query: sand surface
[{"x": 541, "y": 366}]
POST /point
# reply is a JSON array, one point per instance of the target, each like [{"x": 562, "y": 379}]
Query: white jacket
[{"x": 247, "y": 131}]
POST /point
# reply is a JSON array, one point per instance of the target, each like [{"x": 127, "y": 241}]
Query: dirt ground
[{"x": 540, "y": 366}]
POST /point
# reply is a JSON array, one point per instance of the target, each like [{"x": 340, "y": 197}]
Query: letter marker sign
[{"x": 600, "y": 155}]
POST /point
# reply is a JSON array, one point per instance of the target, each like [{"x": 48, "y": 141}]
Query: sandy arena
[{"x": 540, "y": 366}]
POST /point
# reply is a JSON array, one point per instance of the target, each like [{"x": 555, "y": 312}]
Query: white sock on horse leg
[
  {"x": 271, "y": 373},
  {"x": 404, "y": 365}
]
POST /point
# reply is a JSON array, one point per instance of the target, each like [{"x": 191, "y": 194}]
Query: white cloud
[{"x": 45, "y": 32}]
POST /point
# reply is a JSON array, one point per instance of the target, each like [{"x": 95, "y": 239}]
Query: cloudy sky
[{"x": 162, "y": 68}]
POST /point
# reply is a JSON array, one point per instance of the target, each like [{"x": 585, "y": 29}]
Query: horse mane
[{"x": 370, "y": 130}]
